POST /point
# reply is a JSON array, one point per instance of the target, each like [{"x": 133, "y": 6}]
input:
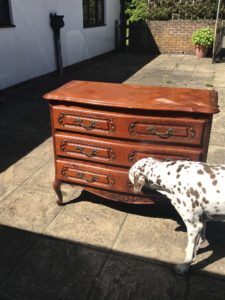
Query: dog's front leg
[
  {"x": 194, "y": 236},
  {"x": 202, "y": 238}
]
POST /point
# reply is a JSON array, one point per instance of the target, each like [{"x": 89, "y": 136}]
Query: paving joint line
[
  {"x": 22, "y": 182},
  {"x": 108, "y": 253}
]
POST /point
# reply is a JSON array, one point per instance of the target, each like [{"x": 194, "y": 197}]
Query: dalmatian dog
[{"x": 196, "y": 190}]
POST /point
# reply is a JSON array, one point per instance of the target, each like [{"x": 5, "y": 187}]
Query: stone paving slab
[
  {"x": 15, "y": 243},
  {"x": 88, "y": 223},
  {"x": 28, "y": 208},
  {"x": 71, "y": 272},
  {"x": 44, "y": 151},
  {"x": 43, "y": 177},
  {"x": 127, "y": 278},
  {"x": 216, "y": 154},
  {"x": 205, "y": 288},
  {"x": 92, "y": 248},
  {"x": 152, "y": 238},
  {"x": 18, "y": 173}
]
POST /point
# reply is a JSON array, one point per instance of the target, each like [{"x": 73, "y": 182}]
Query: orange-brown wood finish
[{"x": 100, "y": 130}]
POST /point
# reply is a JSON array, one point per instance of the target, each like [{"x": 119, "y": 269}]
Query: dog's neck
[{"x": 154, "y": 171}]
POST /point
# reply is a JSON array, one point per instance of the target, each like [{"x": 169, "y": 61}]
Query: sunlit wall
[{"x": 27, "y": 50}]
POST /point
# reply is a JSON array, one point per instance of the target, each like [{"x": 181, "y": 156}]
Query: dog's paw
[{"x": 181, "y": 269}]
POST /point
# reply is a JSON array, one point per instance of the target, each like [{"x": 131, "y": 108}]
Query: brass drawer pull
[
  {"x": 153, "y": 130},
  {"x": 82, "y": 151},
  {"x": 82, "y": 176},
  {"x": 79, "y": 122}
]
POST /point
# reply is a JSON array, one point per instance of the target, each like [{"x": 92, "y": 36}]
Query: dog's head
[
  {"x": 137, "y": 179},
  {"x": 136, "y": 175}
]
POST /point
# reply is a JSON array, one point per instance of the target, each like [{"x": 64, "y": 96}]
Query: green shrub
[
  {"x": 165, "y": 9},
  {"x": 137, "y": 10},
  {"x": 202, "y": 37}
]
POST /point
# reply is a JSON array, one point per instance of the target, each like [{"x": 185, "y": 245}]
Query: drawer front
[
  {"x": 93, "y": 175},
  {"x": 159, "y": 129},
  {"x": 119, "y": 152},
  {"x": 165, "y": 154},
  {"x": 83, "y": 120},
  {"x": 169, "y": 130}
]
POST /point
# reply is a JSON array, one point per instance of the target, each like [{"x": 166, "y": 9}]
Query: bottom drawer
[{"x": 93, "y": 175}]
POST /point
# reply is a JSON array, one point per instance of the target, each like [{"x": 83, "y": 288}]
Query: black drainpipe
[
  {"x": 122, "y": 25},
  {"x": 56, "y": 22}
]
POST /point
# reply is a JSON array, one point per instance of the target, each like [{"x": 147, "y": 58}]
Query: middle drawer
[{"x": 117, "y": 152}]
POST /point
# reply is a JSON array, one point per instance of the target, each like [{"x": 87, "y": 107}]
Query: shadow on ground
[
  {"x": 24, "y": 116},
  {"x": 33, "y": 266}
]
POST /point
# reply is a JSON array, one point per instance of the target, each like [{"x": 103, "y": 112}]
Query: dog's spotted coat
[{"x": 196, "y": 189}]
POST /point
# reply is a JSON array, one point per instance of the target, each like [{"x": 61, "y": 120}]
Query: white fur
[{"x": 196, "y": 190}]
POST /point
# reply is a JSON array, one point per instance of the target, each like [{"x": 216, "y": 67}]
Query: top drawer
[{"x": 139, "y": 127}]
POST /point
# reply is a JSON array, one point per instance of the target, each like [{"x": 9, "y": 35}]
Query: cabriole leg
[{"x": 57, "y": 189}]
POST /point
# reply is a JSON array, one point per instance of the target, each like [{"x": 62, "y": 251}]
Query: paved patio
[{"x": 93, "y": 248}]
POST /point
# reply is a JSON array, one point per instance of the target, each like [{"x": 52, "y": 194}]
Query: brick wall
[{"x": 175, "y": 36}]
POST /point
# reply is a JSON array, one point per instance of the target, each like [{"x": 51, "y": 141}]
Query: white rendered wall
[{"x": 27, "y": 50}]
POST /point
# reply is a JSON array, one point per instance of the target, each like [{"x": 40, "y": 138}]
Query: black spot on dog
[
  {"x": 140, "y": 168},
  {"x": 204, "y": 200},
  {"x": 158, "y": 181},
  {"x": 172, "y": 163},
  {"x": 204, "y": 190},
  {"x": 207, "y": 169},
  {"x": 200, "y": 172},
  {"x": 215, "y": 182},
  {"x": 194, "y": 193},
  {"x": 180, "y": 168},
  {"x": 196, "y": 203},
  {"x": 199, "y": 184}
]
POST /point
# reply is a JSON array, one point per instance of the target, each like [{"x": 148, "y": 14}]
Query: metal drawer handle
[
  {"x": 79, "y": 122},
  {"x": 82, "y": 176},
  {"x": 82, "y": 151},
  {"x": 153, "y": 130}
]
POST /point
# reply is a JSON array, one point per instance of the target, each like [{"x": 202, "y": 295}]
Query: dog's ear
[{"x": 139, "y": 182}]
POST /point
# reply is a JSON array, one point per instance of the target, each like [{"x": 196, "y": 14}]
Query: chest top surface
[{"x": 137, "y": 97}]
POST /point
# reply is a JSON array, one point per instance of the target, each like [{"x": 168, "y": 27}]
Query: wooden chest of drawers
[{"x": 101, "y": 129}]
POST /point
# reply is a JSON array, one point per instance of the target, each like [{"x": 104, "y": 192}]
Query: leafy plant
[
  {"x": 137, "y": 10},
  {"x": 202, "y": 37},
  {"x": 165, "y": 9}
]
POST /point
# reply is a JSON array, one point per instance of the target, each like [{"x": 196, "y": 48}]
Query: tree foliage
[{"x": 169, "y": 9}]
